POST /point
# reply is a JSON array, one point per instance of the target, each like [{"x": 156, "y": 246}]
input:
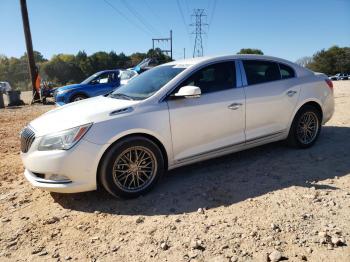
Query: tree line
[
  {"x": 63, "y": 69},
  {"x": 330, "y": 62}
]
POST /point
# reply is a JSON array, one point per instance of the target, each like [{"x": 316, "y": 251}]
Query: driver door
[
  {"x": 105, "y": 83},
  {"x": 213, "y": 121}
]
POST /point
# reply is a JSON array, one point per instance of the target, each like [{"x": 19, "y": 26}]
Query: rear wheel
[
  {"x": 78, "y": 98},
  {"x": 131, "y": 167},
  {"x": 305, "y": 128}
]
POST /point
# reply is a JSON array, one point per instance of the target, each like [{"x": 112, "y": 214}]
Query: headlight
[
  {"x": 61, "y": 92},
  {"x": 63, "y": 140}
]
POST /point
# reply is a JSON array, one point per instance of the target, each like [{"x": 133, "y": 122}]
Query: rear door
[
  {"x": 271, "y": 97},
  {"x": 214, "y": 120}
]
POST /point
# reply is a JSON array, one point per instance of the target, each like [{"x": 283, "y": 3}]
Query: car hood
[
  {"x": 92, "y": 110},
  {"x": 70, "y": 87}
]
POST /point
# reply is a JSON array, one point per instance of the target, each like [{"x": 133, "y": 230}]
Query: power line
[
  {"x": 150, "y": 7},
  {"x": 199, "y": 14},
  {"x": 212, "y": 13},
  {"x": 187, "y": 6},
  {"x": 139, "y": 17},
  {"x": 182, "y": 16},
  {"x": 126, "y": 18}
]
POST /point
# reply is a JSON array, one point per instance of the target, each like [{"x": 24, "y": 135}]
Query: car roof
[
  {"x": 109, "y": 70},
  {"x": 197, "y": 60},
  {"x": 207, "y": 59}
]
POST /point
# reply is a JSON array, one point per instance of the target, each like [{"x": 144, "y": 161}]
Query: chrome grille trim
[{"x": 27, "y": 139}]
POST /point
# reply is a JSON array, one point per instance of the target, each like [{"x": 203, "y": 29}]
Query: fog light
[{"x": 55, "y": 177}]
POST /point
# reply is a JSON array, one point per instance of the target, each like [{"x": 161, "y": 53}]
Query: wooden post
[{"x": 32, "y": 68}]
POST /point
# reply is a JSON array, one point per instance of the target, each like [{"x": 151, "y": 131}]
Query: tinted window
[
  {"x": 261, "y": 71},
  {"x": 286, "y": 71},
  {"x": 213, "y": 78}
]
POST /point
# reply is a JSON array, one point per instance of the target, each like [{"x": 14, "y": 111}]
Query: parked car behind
[
  {"x": 339, "y": 76},
  {"x": 173, "y": 115},
  {"x": 5, "y": 87},
  {"x": 127, "y": 75},
  {"x": 100, "y": 83}
]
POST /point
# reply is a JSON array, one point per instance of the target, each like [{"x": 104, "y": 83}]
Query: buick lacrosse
[{"x": 173, "y": 115}]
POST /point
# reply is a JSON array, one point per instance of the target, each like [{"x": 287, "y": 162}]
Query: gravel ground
[{"x": 265, "y": 204}]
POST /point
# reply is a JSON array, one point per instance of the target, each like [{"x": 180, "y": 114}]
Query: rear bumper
[{"x": 328, "y": 108}]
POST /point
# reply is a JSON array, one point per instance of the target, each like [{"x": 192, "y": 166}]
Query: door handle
[
  {"x": 235, "y": 106},
  {"x": 291, "y": 93}
]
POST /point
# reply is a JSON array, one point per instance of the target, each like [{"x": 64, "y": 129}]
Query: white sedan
[{"x": 173, "y": 115}]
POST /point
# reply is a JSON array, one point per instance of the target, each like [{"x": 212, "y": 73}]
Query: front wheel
[
  {"x": 305, "y": 128},
  {"x": 131, "y": 167},
  {"x": 78, "y": 98}
]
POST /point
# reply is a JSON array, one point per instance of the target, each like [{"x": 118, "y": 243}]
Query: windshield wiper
[{"x": 115, "y": 95}]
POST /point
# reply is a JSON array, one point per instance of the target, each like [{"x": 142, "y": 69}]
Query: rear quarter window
[
  {"x": 286, "y": 71},
  {"x": 258, "y": 71}
]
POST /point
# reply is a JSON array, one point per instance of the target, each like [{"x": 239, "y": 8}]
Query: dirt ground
[{"x": 292, "y": 203}]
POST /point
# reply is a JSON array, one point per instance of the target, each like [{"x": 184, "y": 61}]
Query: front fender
[{"x": 152, "y": 123}]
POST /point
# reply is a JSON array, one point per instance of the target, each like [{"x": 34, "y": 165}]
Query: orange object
[{"x": 37, "y": 83}]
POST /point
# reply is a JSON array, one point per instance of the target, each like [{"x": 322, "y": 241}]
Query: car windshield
[
  {"x": 88, "y": 80},
  {"x": 126, "y": 74},
  {"x": 148, "y": 83}
]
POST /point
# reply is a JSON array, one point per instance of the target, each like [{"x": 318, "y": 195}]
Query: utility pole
[
  {"x": 167, "y": 39},
  {"x": 32, "y": 68},
  {"x": 199, "y": 14}
]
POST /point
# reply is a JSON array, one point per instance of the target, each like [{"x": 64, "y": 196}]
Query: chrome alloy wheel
[
  {"x": 134, "y": 169},
  {"x": 78, "y": 98},
  {"x": 307, "y": 128}
]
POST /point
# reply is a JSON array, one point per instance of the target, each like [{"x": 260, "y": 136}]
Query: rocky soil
[{"x": 270, "y": 203}]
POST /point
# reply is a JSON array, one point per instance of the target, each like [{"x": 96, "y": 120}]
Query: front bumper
[
  {"x": 78, "y": 165},
  {"x": 60, "y": 99}
]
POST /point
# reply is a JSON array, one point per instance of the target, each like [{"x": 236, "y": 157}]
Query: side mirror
[{"x": 189, "y": 92}]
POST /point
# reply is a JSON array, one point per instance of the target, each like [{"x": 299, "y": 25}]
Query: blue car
[{"x": 100, "y": 83}]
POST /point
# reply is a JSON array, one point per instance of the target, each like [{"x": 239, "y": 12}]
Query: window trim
[
  {"x": 244, "y": 76},
  {"x": 239, "y": 83}
]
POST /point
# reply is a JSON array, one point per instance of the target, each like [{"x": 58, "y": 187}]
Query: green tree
[
  {"x": 331, "y": 61},
  {"x": 64, "y": 69},
  {"x": 158, "y": 56},
  {"x": 250, "y": 51}
]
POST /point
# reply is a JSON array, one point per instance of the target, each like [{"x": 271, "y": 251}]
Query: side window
[
  {"x": 286, "y": 71},
  {"x": 258, "y": 71},
  {"x": 112, "y": 77},
  {"x": 216, "y": 77},
  {"x": 101, "y": 79}
]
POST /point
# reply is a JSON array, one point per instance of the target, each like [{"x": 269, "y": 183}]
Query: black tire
[
  {"x": 294, "y": 137},
  {"x": 113, "y": 163},
  {"x": 78, "y": 97}
]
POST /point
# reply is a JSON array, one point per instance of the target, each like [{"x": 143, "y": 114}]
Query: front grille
[{"x": 27, "y": 138}]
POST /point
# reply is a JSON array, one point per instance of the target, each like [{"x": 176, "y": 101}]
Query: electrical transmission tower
[{"x": 199, "y": 15}]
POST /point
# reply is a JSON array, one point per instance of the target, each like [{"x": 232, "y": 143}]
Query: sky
[{"x": 282, "y": 28}]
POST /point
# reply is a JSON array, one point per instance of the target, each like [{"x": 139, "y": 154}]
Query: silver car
[{"x": 173, "y": 115}]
